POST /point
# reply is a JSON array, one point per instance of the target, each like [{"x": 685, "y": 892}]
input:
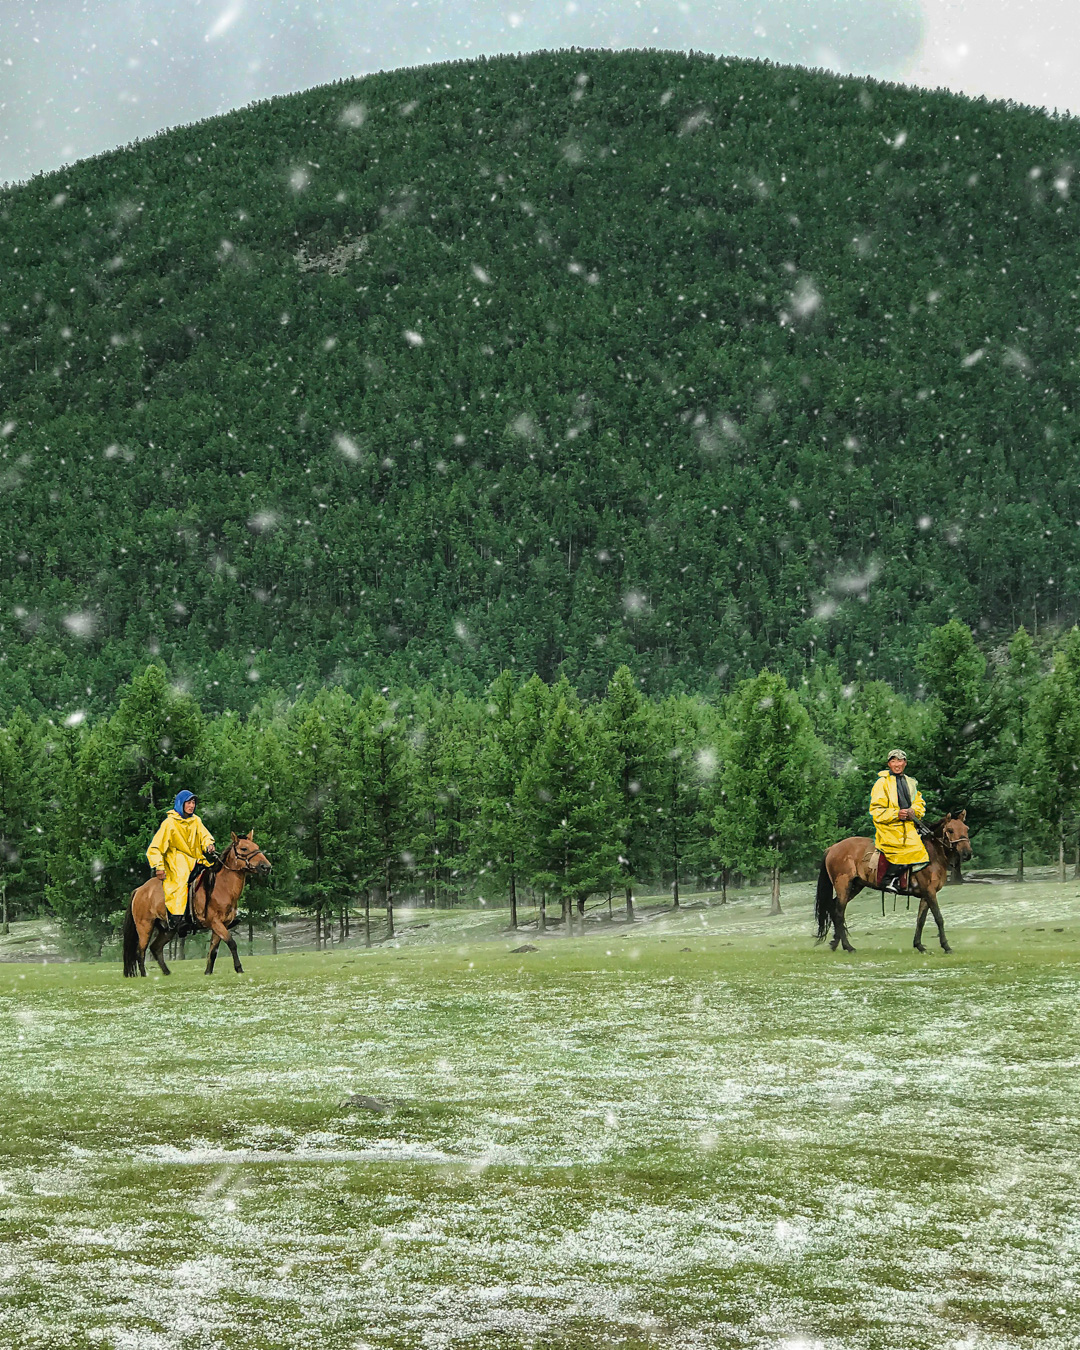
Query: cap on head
[
  {"x": 895, "y": 754},
  {"x": 180, "y": 799}
]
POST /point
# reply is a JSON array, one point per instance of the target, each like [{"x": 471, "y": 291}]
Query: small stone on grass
[{"x": 366, "y": 1103}]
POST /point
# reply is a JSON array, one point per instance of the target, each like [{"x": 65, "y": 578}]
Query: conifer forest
[{"x": 494, "y": 479}]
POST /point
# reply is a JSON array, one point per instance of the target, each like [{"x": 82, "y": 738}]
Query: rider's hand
[
  {"x": 905, "y": 813},
  {"x": 160, "y": 874}
]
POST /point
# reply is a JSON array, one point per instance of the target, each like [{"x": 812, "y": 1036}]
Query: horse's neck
[
  {"x": 936, "y": 850},
  {"x": 228, "y": 883}
]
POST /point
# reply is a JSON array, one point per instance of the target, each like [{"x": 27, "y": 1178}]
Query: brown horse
[
  {"x": 851, "y": 866},
  {"x": 146, "y": 923}
]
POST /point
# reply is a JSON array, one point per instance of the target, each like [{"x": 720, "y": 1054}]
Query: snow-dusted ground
[{"x": 702, "y": 1131}]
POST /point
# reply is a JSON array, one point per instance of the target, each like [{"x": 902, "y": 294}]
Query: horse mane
[{"x": 938, "y": 826}]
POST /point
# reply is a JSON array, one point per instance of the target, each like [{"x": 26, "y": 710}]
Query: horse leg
[
  {"x": 837, "y": 926},
  {"x": 222, "y": 934},
  {"x": 845, "y": 889},
  {"x": 924, "y": 905},
  {"x": 842, "y": 933},
  {"x": 156, "y": 947},
  {"x": 211, "y": 955},
  {"x": 231, "y": 943},
  {"x": 146, "y": 932},
  {"x": 935, "y": 910}
]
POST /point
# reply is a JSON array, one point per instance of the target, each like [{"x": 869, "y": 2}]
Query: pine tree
[
  {"x": 776, "y": 808},
  {"x": 381, "y": 784},
  {"x": 955, "y": 762},
  {"x": 255, "y": 787},
  {"x": 117, "y": 783},
  {"x": 1017, "y": 691},
  {"x": 24, "y": 787},
  {"x": 1051, "y": 769},
  {"x": 569, "y": 813},
  {"x": 320, "y": 805},
  {"x": 630, "y": 750},
  {"x": 877, "y": 721},
  {"x": 678, "y": 815},
  {"x": 496, "y": 849}
]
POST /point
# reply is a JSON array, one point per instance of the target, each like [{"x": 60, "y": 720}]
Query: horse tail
[
  {"x": 823, "y": 907},
  {"x": 131, "y": 941}
]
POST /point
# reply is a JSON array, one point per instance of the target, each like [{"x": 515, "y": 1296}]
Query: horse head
[
  {"x": 249, "y": 855},
  {"x": 953, "y": 834}
]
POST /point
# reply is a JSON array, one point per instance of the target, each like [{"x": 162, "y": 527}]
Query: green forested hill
[{"x": 575, "y": 358}]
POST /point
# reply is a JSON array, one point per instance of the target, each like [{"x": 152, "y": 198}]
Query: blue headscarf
[{"x": 180, "y": 799}]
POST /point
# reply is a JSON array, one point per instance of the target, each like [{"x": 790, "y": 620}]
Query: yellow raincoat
[
  {"x": 898, "y": 839},
  {"x": 179, "y": 844}
]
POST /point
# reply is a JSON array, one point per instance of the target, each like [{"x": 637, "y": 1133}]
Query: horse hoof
[
  {"x": 945, "y": 947},
  {"x": 919, "y": 948},
  {"x": 849, "y": 949}
]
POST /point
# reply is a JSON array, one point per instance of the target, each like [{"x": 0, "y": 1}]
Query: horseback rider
[
  {"x": 895, "y": 804},
  {"x": 176, "y": 854}
]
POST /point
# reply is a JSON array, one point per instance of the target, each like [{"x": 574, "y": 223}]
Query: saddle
[
  {"x": 202, "y": 877},
  {"x": 878, "y": 867}
]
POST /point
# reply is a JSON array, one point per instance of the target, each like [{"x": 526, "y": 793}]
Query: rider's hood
[{"x": 180, "y": 799}]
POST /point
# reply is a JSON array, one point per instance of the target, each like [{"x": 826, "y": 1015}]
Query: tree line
[
  {"x": 554, "y": 363},
  {"x": 530, "y": 795}
]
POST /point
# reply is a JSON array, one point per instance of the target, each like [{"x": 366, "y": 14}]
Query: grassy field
[{"x": 701, "y": 1131}]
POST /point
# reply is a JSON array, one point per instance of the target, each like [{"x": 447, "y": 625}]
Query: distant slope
[{"x": 577, "y": 357}]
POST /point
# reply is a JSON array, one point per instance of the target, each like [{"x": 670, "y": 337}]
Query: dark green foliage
[
  {"x": 722, "y": 364},
  {"x": 876, "y": 721},
  {"x": 23, "y": 821},
  {"x": 1051, "y": 773},
  {"x": 322, "y": 810},
  {"x": 1016, "y": 690},
  {"x": 426, "y": 797},
  {"x": 777, "y": 808},
  {"x": 962, "y": 725},
  {"x": 682, "y": 846},
  {"x": 571, "y": 813},
  {"x": 629, "y": 740},
  {"x": 114, "y": 786},
  {"x": 384, "y": 818},
  {"x": 497, "y": 841}
]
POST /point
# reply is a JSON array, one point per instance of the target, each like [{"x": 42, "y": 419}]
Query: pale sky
[{"x": 81, "y": 76}]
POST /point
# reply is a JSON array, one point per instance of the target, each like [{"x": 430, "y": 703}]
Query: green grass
[{"x": 704, "y": 1131}]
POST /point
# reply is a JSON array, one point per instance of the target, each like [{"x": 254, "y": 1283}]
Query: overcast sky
[{"x": 81, "y": 76}]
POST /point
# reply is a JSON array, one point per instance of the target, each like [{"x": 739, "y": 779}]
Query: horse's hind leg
[
  {"x": 935, "y": 910},
  {"x": 839, "y": 924},
  {"x": 156, "y": 947},
  {"x": 146, "y": 932}
]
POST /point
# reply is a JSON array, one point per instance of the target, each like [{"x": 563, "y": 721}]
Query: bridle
[
  {"x": 949, "y": 846},
  {"x": 246, "y": 868}
]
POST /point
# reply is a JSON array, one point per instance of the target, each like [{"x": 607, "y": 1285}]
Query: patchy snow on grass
[{"x": 708, "y": 1133}]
